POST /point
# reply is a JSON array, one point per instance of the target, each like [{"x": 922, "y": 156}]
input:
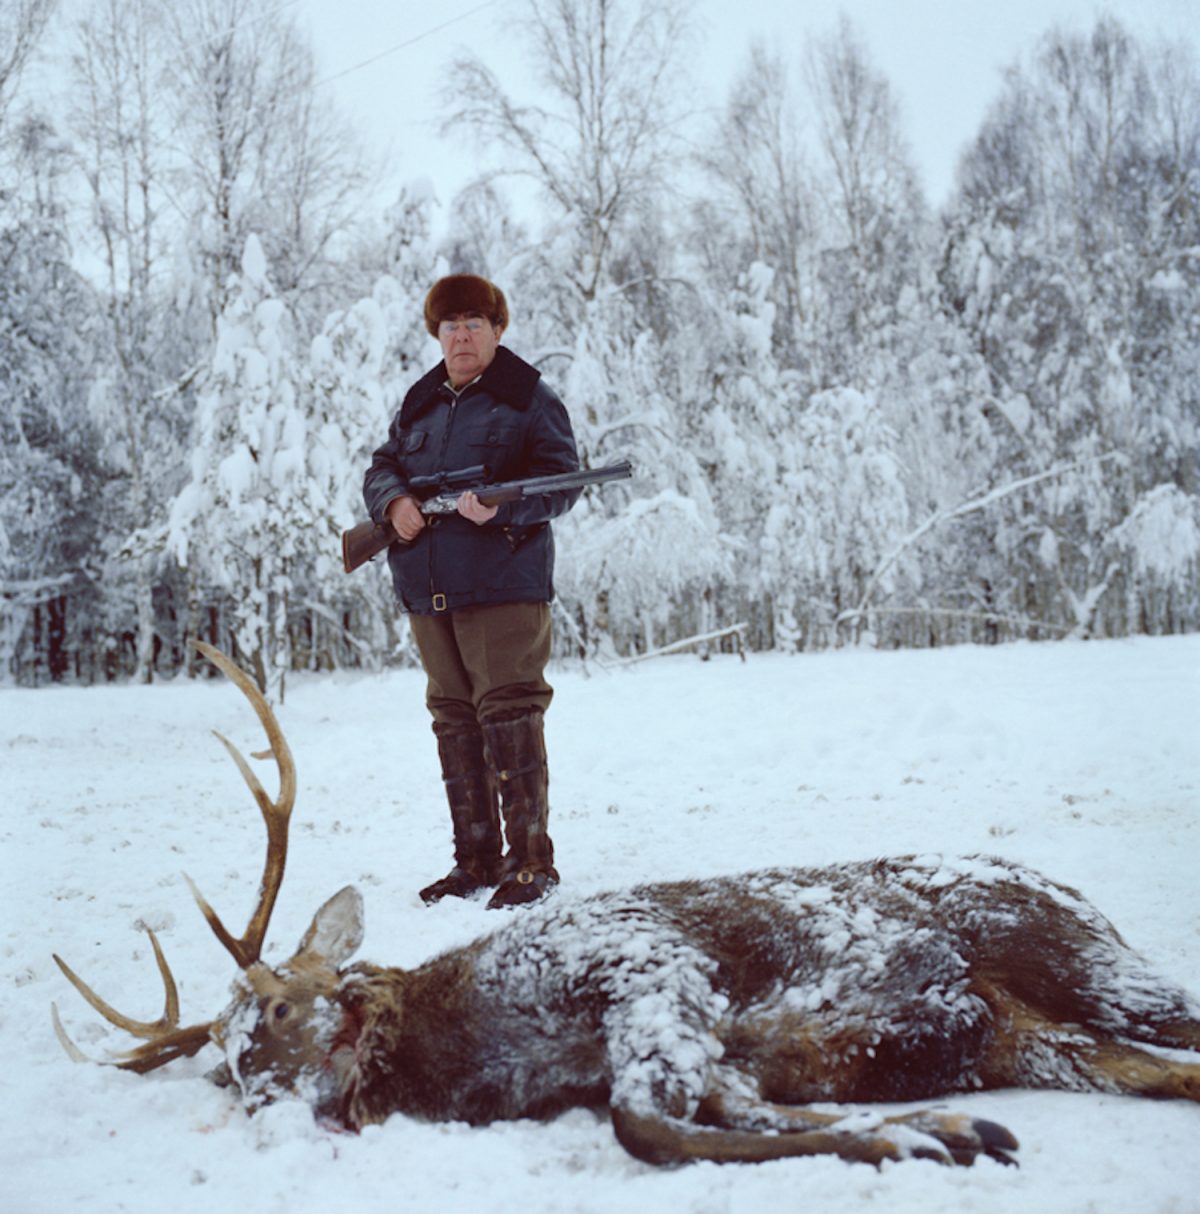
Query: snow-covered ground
[{"x": 1081, "y": 759}]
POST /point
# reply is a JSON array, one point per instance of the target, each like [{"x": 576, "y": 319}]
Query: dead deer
[{"x": 707, "y": 1015}]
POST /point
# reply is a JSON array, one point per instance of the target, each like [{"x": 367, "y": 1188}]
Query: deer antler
[
  {"x": 165, "y": 1040},
  {"x": 165, "y": 1023},
  {"x": 276, "y": 814}
]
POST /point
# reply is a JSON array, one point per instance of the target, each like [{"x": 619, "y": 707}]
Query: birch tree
[
  {"x": 116, "y": 120},
  {"x": 22, "y": 25},
  {"x": 873, "y": 210},
  {"x": 762, "y": 207},
  {"x": 596, "y": 141},
  {"x": 262, "y": 151}
]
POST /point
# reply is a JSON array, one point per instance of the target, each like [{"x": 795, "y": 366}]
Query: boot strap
[{"x": 511, "y": 773}]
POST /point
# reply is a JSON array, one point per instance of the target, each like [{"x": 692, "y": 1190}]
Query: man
[{"x": 478, "y": 584}]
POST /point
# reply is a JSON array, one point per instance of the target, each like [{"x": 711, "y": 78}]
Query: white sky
[{"x": 384, "y": 60}]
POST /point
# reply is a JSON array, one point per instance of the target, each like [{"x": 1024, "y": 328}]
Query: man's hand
[
  {"x": 406, "y": 518},
  {"x": 470, "y": 507}
]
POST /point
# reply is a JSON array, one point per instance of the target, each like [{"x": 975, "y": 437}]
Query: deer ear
[{"x": 336, "y": 930}]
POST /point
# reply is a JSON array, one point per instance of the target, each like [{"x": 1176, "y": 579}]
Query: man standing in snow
[{"x": 478, "y": 584}]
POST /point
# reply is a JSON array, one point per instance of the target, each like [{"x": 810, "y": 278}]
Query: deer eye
[{"x": 281, "y": 1010}]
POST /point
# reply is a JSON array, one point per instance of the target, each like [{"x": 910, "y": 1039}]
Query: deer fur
[{"x": 707, "y": 1015}]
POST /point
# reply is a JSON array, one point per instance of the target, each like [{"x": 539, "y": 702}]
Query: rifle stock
[{"x": 365, "y": 540}]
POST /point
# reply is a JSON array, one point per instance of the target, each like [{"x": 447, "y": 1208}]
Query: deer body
[
  {"x": 697, "y": 1009},
  {"x": 716, "y": 1019}
]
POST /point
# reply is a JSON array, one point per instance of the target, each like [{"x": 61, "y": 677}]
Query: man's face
[{"x": 468, "y": 343}]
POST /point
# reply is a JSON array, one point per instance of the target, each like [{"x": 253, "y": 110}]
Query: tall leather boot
[
  {"x": 516, "y": 747},
  {"x": 474, "y": 814}
]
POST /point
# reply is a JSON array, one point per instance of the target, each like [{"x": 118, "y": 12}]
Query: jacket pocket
[
  {"x": 417, "y": 453},
  {"x": 493, "y": 435}
]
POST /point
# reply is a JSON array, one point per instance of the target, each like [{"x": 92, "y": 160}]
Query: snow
[{"x": 1078, "y": 758}]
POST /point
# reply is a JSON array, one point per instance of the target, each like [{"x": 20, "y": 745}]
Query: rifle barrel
[{"x": 364, "y": 541}]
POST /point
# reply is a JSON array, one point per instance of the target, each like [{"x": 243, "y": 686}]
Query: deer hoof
[
  {"x": 959, "y": 1139},
  {"x": 996, "y": 1141}
]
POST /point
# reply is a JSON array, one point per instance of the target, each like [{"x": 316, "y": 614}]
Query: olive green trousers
[{"x": 481, "y": 661}]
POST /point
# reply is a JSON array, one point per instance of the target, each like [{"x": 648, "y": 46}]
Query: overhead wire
[
  {"x": 409, "y": 42},
  {"x": 249, "y": 22}
]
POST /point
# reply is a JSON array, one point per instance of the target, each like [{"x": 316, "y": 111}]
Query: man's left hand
[{"x": 470, "y": 507}]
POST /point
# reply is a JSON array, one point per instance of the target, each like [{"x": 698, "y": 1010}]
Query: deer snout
[{"x": 278, "y": 1035}]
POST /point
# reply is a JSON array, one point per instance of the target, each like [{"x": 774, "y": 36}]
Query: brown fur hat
[{"x": 464, "y": 293}]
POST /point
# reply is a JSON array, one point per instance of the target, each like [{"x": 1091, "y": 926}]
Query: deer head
[
  {"x": 278, "y": 1033},
  {"x": 281, "y": 1032}
]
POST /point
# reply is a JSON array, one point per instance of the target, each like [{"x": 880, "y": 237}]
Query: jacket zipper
[{"x": 434, "y": 594}]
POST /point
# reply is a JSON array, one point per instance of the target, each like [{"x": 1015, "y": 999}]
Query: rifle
[{"x": 439, "y": 494}]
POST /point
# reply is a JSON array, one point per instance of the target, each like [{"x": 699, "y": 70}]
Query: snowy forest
[{"x": 854, "y": 419}]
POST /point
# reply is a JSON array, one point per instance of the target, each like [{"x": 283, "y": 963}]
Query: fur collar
[{"x": 508, "y": 378}]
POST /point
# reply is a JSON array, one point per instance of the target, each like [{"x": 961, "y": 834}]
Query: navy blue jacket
[{"x": 510, "y": 421}]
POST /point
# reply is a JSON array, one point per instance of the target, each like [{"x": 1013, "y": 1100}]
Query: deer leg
[
  {"x": 1073, "y": 1061},
  {"x": 857, "y": 1137},
  {"x": 670, "y": 1140},
  {"x": 731, "y": 1123},
  {"x": 1134, "y": 1071},
  {"x": 733, "y": 1104},
  {"x": 1035, "y": 1051}
]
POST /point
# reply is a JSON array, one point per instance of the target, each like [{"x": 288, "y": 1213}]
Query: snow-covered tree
[
  {"x": 873, "y": 217},
  {"x": 1070, "y": 258},
  {"x": 759, "y": 204},
  {"x": 51, "y": 476},
  {"x": 116, "y": 119},
  {"x": 248, "y": 516},
  {"x": 636, "y": 563},
  {"x": 358, "y": 369}
]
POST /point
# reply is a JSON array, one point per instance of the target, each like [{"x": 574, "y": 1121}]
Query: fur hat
[{"x": 464, "y": 293}]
